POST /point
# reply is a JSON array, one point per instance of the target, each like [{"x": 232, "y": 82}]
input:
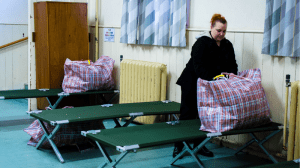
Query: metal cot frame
[
  {"x": 37, "y": 93},
  {"x": 193, "y": 152},
  {"x": 102, "y": 108}
]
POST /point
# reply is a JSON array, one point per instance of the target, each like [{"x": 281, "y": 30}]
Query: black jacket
[{"x": 208, "y": 60}]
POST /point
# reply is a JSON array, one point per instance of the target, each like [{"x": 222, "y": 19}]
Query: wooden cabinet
[{"x": 61, "y": 31}]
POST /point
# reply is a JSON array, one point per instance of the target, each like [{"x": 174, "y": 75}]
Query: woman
[{"x": 211, "y": 55}]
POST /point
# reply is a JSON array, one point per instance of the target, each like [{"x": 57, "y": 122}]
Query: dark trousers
[{"x": 188, "y": 108}]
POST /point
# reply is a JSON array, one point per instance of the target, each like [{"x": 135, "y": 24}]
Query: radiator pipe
[
  {"x": 288, "y": 84},
  {"x": 297, "y": 134},
  {"x": 97, "y": 32},
  {"x": 292, "y": 121}
]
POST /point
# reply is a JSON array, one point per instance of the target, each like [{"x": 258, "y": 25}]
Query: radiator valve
[{"x": 287, "y": 80}]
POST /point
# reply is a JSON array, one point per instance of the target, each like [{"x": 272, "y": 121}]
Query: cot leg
[
  {"x": 104, "y": 153},
  {"x": 264, "y": 140},
  {"x": 129, "y": 121},
  {"x": 175, "y": 116},
  {"x": 244, "y": 146},
  {"x": 56, "y": 103},
  {"x": 60, "y": 158},
  {"x": 41, "y": 141},
  {"x": 181, "y": 153},
  {"x": 196, "y": 149},
  {"x": 103, "y": 99},
  {"x": 260, "y": 142},
  {"x": 126, "y": 124},
  {"x": 108, "y": 160},
  {"x": 119, "y": 158},
  {"x": 112, "y": 98},
  {"x": 193, "y": 152},
  {"x": 49, "y": 138},
  {"x": 44, "y": 136},
  {"x": 117, "y": 123},
  {"x": 107, "y": 102}
]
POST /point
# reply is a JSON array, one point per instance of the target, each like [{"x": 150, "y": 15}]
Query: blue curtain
[
  {"x": 281, "y": 32},
  {"x": 154, "y": 22}
]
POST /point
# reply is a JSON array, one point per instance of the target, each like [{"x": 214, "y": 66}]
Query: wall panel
[
  {"x": 148, "y": 52},
  {"x": 257, "y": 56},
  {"x": 297, "y": 68},
  {"x": 6, "y": 34},
  {"x": 278, "y": 83},
  {"x": 2, "y": 69},
  {"x": 159, "y": 53},
  {"x": 173, "y": 73},
  {"x": 248, "y": 59},
  {"x": 13, "y": 58},
  {"x": 9, "y": 69},
  {"x": 106, "y": 46},
  {"x": 166, "y": 58},
  {"x": 20, "y": 66},
  {"x": 20, "y": 57},
  {"x": 238, "y": 49},
  {"x": 115, "y": 54},
  {"x": 179, "y": 68},
  {"x": 230, "y": 36}
]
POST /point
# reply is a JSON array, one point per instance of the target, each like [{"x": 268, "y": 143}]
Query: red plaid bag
[
  {"x": 67, "y": 135},
  {"x": 234, "y": 103},
  {"x": 81, "y": 76}
]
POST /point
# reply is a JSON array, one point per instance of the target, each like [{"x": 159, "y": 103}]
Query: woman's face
[{"x": 218, "y": 31}]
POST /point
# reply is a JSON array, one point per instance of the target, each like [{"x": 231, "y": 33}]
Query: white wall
[
  {"x": 13, "y": 64},
  {"x": 240, "y": 14},
  {"x": 13, "y": 11},
  {"x": 13, "y": 26}
]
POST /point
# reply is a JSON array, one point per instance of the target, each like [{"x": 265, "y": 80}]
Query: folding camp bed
[
  {"x": 287, "y": 164},
  {"x": 59, "y": 117},
  {"x": 37, "y": 93},
  {"x": 128, "y": 139}
]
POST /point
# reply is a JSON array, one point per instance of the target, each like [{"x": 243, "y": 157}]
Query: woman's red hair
[{"x": 217, "y": 17}]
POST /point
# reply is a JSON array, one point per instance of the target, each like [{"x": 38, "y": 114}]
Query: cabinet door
[
  {"x": 61, "y": 30},
  {"x": 68, "y": 37},
  {"x": 41, "y": 45}
]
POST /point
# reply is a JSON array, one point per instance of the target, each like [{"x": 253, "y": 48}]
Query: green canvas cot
[
  {"x": 59, "y": 117},
  {"x": 128, "y": 139},
  {"x": 38, "y": 93}
]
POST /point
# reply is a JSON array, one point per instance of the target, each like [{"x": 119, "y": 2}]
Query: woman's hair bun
[{"x": 217, "y": 17}]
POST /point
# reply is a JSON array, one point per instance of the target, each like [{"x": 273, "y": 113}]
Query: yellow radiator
[
  {"x": 143, "y": 81},
  {"x": 294, "y": 123}
]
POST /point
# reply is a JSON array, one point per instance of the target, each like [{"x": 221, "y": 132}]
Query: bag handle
[
  {"x": 218, "y": 76},
  {"x": 221, "y": 76}
]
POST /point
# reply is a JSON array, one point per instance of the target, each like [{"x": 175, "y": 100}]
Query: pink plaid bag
[
  {"x": 80, "y": 76},
  {"x": 67, "y": 135},
  {"x": 234, "y": 103}
]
